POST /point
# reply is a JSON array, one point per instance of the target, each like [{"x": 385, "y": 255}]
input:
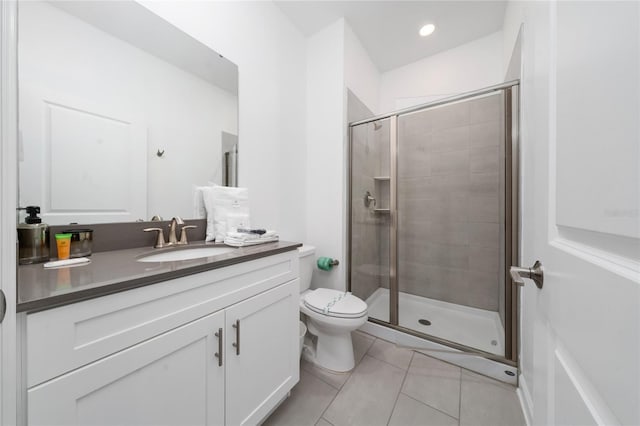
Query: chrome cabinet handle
[
  {"x": 236, "y": 344},
  {"x": 219, "y": 353},
  {"x": 535, "y": 273}
]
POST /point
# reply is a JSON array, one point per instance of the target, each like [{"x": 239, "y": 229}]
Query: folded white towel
[
  {"x": 234, "y": 242},
  {"x": 245, "y": 236}
]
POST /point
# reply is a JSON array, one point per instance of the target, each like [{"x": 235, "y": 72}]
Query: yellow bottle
[{"x": 63, "y": 242}]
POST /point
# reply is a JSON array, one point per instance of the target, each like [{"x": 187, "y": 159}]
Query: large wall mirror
[{"x": 122, "y": 115}]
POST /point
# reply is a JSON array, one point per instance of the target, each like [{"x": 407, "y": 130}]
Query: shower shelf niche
[{"x": 381, "y": 188}]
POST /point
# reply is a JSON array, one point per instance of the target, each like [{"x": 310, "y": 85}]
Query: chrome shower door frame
[{"x": 511, "y": 195}]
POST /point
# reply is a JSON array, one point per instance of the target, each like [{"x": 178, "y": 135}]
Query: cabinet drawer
[{"x": 62, "y": 339}]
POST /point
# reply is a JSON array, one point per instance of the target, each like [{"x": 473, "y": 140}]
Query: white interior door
[
  {"x": 8, "y": 190},
  {"x": 580, "y": 354},
  {"x": 79, "y": 158}
]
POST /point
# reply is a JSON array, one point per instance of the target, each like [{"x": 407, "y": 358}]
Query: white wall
[
  {"x": 336, "y": 60},
  {"x": 71, "y": 63},
  {"x": 471, "y": 66},
  {"x": 360, "y": 73},
  {"x": 326, "y": 155},
  {"x": 270, "y": 54}
]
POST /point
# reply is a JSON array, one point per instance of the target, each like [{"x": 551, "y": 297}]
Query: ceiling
[{"x": 389, "y": 29}]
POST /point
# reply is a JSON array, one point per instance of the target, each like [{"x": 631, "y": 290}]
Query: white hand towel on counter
[
  {"x": 246, "y": 236},
  {"x": 244, "y": 243},
  {"x": 243, "y": 239}
]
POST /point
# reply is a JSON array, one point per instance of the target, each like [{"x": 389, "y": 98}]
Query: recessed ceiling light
[{"x": 427, "y": 30}]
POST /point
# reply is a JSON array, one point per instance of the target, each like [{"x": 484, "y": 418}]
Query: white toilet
[{"x": 331, "y": 316}]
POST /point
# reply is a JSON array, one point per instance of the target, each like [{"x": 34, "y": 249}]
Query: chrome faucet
[
  {"x": 173, "y": 239},
  {"x": 177, "y": 220}
]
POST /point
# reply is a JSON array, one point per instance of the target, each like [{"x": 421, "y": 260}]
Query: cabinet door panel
[
  {"x": 172, "y": 379},
  {"x": 267, "y": 366}
]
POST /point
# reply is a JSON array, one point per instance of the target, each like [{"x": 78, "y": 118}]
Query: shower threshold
[{"x": 473, "y": 327}]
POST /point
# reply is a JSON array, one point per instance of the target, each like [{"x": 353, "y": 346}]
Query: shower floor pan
[{"x": 473, "y": 327}]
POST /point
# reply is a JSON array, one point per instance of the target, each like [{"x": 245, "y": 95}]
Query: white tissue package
[{"x": 227, "y": 208}]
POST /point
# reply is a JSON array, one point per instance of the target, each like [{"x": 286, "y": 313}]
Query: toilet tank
[{"x": 307, "y": 261}]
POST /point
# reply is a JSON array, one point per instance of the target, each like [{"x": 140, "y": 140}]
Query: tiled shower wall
[
  {"x": 450, "y": 203},
  {"x": 369, "y": 230}
]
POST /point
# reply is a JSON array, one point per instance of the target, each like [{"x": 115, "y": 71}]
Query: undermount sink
[{"x": 186, "y": 254}]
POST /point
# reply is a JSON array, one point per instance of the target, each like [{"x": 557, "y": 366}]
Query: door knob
[{"x": 535, "y": 273}]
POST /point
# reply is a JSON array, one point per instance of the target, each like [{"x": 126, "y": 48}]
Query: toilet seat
[{"x": 334, "y": 303}]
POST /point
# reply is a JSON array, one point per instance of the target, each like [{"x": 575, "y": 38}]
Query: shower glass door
[
  {"x": 370, "y": 214},
  {"x": 451, "y": 222},
  {"x": 434, "y": 219}
]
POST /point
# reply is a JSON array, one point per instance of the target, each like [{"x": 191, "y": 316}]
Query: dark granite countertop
[{"x": 118, "y": 270}]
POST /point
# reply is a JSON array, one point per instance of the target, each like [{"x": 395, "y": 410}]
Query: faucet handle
[
  {"x": 183, "y": 233},
  {"x": 160, "y": 238}
]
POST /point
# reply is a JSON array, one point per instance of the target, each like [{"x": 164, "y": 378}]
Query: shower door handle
[{"x": 535, "y": 273}]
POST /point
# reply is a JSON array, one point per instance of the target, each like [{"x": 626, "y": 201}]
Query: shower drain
[
  {"x": 424, "y": 321},
  {"x": 494, "y": 342}
]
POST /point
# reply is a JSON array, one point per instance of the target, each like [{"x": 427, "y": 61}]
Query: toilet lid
[{"x": 335, "y": 303}]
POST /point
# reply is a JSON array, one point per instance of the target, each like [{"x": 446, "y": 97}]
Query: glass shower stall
[{"x": 433, "y": 220}]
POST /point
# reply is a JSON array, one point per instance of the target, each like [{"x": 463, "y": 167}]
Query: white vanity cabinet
[{"x": 219, "y": 347}]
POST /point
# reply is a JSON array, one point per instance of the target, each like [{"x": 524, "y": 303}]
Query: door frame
[{"x": 8, "y": 202}]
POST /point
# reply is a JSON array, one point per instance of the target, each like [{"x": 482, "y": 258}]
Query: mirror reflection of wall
[
  {"x": 121, "y": 114},
  {"x": 229, "y": 159}
]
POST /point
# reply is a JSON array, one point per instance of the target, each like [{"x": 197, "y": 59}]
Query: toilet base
[
  {"x": 335, "y": 353},
  {"x": 332, "y": 351}
]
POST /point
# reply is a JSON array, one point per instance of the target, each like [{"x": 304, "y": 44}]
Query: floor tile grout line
[
  {"x": 442, "y": 360},
  {"x": 331, "y": 402},
  {"x": 317, "y": 376},
  {"x": 388, "y": 363},
  {"x": 322, "y": 418},
  {"x": 385, "y": 361},
  {"x": 340, "y": 390},
  {"x": 325, "y": 381},
  {"x": 395, "y": 403},
  {"x": 430, "y": 406}
]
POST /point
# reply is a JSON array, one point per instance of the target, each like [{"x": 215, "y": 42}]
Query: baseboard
[{"x": 526, "y": 403}]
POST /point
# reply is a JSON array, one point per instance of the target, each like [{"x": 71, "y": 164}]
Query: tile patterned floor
[{"x": 399, "y": 387}]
